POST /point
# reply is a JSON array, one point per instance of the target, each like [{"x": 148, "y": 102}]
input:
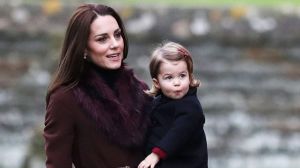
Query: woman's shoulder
[
  {"x": 61, "y": 92},
  {"x": 61, "y": 95}
]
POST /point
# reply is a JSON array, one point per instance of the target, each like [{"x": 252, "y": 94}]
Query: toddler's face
[{"x": 173, "y": 79}]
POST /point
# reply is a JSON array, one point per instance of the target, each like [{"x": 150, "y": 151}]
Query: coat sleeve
[
  {"x": 58, "y": 132},
  {"x": 188, "y": 119}
]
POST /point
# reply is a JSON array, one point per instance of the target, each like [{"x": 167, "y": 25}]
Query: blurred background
[{"x": 246, "y": 53}]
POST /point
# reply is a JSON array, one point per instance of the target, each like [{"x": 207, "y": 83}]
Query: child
[{"x": 176, "y": 137}]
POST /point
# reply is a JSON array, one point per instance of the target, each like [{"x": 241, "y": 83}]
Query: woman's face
[{"x": 105, "y": 44}]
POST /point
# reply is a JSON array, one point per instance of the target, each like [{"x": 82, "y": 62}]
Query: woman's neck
[{"x": 108, "y": 75}]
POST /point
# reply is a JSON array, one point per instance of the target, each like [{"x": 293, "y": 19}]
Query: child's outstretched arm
[{"x": 150, "y": 161}]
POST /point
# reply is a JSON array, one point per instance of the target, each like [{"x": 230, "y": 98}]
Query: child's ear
[
  {"x": 156, "y": 83},
  {"x": 191, "y": 79}
]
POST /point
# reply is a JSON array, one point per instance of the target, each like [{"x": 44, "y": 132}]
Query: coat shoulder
[
  {"x": 62, "y": 97},
  {"x": 189, "y": 103}
]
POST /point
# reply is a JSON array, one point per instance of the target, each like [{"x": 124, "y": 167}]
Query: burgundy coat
[{"x": 93, "y": 128}]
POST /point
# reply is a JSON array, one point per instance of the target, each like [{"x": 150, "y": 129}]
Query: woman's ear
[
  {"x": 156, "y": 83},
  {"x": 86, "y": 55},
  {"x": 86, "y": 52}
]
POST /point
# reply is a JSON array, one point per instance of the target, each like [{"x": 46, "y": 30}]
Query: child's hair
[{"x": 170, "y": 51}]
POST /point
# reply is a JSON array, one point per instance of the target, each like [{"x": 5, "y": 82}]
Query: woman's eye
[
  {"x": 118, "y": 35},
  {"x": 101, "y": 39}
]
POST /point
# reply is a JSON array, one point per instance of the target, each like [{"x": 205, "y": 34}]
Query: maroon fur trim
[{"x": 120, "y": 114}]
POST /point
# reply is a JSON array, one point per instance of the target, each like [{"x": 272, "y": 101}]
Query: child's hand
[{"x": 150, "y": 161}]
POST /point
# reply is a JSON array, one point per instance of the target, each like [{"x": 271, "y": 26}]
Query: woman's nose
[{"x": 114, "y": 43}]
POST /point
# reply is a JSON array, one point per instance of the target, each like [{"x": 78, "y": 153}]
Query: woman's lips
[{"x": 114, "y": 57}]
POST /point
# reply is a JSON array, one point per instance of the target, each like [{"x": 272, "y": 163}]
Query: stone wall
[{"x": 247, "y": 58}]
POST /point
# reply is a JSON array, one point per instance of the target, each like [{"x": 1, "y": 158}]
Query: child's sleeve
[{"x": 161, "y": 154}]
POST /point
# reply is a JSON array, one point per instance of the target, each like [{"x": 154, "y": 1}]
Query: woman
[{"x": 95, "y": 113}]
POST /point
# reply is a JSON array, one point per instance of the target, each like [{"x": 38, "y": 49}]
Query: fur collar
[{"x": 120, "y": 114}]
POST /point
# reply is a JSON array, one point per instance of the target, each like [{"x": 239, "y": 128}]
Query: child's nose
[{"x": 176, "y": 82}]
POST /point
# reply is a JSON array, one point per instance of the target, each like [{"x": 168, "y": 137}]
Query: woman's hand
[{"x": 150, "y": 161}]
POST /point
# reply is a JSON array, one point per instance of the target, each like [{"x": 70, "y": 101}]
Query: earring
[{"x": 85, "y": 55}]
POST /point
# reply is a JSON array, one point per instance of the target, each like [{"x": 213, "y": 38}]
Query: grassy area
[{"x": 272, "y": 3}]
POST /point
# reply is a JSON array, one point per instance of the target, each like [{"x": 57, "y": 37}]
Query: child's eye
[
  {"x": 182, "y": 75},
  {"x": 168, "y": 77}
]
